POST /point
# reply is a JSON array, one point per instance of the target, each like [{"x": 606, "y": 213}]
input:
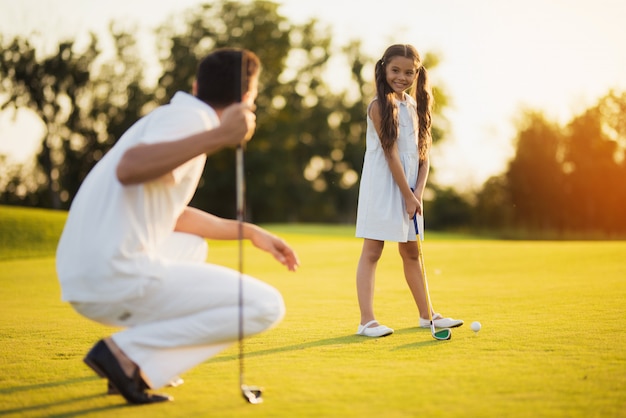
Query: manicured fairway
[{"x": 552, "y": 342}]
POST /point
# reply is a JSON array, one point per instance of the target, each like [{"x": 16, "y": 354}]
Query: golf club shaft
[
  {"x": 240, "y": 78},
  {"x": 252, "y": 394},
  {"x": 424, "y": 279},
  {"x": 240, "y": 185}
]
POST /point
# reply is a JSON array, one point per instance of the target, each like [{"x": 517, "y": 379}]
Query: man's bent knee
[{"x": 268, "y": 307}]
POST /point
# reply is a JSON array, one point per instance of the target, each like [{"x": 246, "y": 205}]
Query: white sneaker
[
  {"x": 379, "y": 331},
  {"x": 441, "y": 322}
]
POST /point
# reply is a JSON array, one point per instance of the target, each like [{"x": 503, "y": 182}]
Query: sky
[{"x": 498, "y": 57}]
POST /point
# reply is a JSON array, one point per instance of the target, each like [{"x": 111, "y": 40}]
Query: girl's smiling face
[{"x": 401, "y": 73}]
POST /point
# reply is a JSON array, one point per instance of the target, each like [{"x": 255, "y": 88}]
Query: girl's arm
[
  {"x": 422, "y": 177},
  {"x": 411, "y": 203},
  {"x": 395, "y": 166}
]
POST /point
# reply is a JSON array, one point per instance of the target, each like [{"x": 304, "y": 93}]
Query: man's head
[{"x": 219, "y": 76}]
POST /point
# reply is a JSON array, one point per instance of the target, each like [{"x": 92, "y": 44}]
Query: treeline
[
  {"x": 564, "y": 181},
  {"x": 87, "y": 99},
  {"x": 304, "y": 162},
  {"x": 573, "y": 177}
]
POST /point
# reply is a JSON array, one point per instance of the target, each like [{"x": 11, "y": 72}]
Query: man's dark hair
[{"x": 219, "y": 76}]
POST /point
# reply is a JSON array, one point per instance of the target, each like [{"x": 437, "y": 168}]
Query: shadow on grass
[
  {"x": 346, "y": 339},
  {"x": 424, "y": 343},
  {"x": 26, "y": 388},
  {"x": 343, "y": 340},
  {"x": 44, "y": 407}
]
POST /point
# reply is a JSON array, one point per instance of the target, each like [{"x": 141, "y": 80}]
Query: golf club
[
  {"x": 443, "y": 333},
  {"x": 252, "y": 394}
]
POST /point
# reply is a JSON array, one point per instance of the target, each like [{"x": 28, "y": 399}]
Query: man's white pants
[{"x": 187, "y": 315}]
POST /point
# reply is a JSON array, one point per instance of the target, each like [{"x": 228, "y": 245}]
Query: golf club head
[
  {"x": 442, "y": 334},
  {"x": 252, "y": 394}
]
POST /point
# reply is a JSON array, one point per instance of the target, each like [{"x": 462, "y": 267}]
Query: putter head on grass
[
  {"x": 252, "y": 394},
  {"x": 442, "y": 334}
]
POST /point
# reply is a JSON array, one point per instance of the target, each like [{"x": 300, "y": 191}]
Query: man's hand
[
  {"x": 274, "y": 245},
  {"x": 238, "y": 121}
]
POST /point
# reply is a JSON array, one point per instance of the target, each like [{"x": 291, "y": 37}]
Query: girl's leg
[
  {"x": 365, "y": 274},
  {"x": 413, "y": 275}
]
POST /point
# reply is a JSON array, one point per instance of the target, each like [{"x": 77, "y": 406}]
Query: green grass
[
  {"x": 26, "y": 233},
  {"x": 552, "y": 343}
]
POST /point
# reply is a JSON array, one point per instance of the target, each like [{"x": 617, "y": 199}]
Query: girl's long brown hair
[{"x": 389, "y": 111}]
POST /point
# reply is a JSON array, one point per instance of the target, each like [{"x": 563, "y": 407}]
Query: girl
[{"x": 395, "y": 170}]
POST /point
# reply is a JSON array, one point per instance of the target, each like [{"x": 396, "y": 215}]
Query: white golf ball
[{"x": 475, "y": 326}]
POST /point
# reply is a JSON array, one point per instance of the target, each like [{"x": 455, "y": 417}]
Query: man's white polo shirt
[{"x": 107, "y": 250}]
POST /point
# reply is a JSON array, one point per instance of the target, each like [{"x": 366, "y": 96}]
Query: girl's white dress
[{"x": 381, "y": 213}]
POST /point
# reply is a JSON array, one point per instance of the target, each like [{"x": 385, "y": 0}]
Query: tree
[
  {"x": 83, "y": 111},
  {"x": 448, "y": 210},
  {"x": 594, "y": 159},
  {"x": 299, "y": 149},
  {"x": 563, "y": 180},
  {"x": 535, "y": 175},
  {"x": 493, "y": 208},
  {"x": 50, "y": 88},
  {"x": 308, "y": 148}
]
